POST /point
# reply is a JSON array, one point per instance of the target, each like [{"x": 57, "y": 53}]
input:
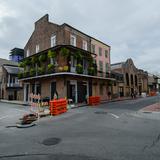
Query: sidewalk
[
  {"x": 14, "y": 102},
  {"x": 152, "y": 108}
]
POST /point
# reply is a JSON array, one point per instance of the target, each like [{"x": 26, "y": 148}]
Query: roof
[
  {"x": 65, "y": 24},
  {"x": 5, "y": 61},
  {"x": 12, "y": 69}
]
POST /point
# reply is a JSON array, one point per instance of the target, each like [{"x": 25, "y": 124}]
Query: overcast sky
[{"x": 130, "y": 27}]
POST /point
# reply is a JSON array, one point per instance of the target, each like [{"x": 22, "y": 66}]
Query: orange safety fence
[
  {"x": 94, "y": 100},
  {"x": 58, "y": 106}
]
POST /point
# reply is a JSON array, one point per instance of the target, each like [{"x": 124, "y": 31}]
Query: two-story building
[
  {"x": 11, "y": 88},
  {"x": 59, "y": 62},
  {"x": 135, "y": 80}
]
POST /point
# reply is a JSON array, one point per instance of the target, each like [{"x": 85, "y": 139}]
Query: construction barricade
[
  {"x": 94, "y": 100},
  {"x": 58, "y": 106},
  {"x": 37, "y": 106}
]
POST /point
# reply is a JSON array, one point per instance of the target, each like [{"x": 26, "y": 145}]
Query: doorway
[
  {"x": 26, "y": 92},
  {"x": 53, "y": 90}
]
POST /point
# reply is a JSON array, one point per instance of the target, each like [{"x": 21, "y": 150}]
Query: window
[
  {"x": 106, "y": 53},
  {"x": 28, "y": 53},
  {"x": 107, "y": 67},
  {"x": 84, "y": 45},
  {"x": 37, "y": 48},
  {"x": 101, "y": 66},
  {"x": 93, "y": 48},
  {"x": 100, "y": 51},
  {"x": 53, "y": 40},
  {"x": 73, "y": 40}
]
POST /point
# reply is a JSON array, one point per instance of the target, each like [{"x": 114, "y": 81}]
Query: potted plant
[
  {"x": 51, "y": 68},
  {"x": 79, "y": 68},
  {"x": 60, "y": 69},
  {"x": 65, "y": 68}
]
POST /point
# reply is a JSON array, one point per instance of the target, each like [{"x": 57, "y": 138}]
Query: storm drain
[
  {"x": 51, "y": 141},
  {"x": 100, "y": 112}
]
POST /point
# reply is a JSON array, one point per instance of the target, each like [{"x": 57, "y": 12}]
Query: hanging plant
[
  {"x": 32, "y": 72},
  {"x": 41, "y": 70},
  {"x": 78, "y": 55},
  {"x": 34, "y": 60},
  {"x": 51, "y": 54},
  {"x": 42, "y": 58},
  {"x": 79, "y": 68},
  {"x": 65, "y": 52},
  {"x": 91, "y": 71}
]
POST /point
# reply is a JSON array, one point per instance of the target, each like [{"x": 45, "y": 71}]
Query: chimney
[{"x": 42, "y": 20}]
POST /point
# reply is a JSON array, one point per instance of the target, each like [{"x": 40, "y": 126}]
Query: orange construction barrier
[
  {"x": 94, "y": 100},
  {"x": 153, "y": 93},
  {"x": 58, "y": 106}
]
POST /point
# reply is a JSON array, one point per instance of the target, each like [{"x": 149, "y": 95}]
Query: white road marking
[
  {"x": 4, "y": 117},
  {"x": 115, "y": 116}
]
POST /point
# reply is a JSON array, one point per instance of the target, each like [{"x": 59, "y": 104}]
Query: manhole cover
[
  {"x": 100, "y": 112},
  {"x": 51, "y": 141},
  {"x": 147, "y": 112}
]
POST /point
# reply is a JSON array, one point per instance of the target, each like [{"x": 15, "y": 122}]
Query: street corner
[{"x": 151, "y": 108}]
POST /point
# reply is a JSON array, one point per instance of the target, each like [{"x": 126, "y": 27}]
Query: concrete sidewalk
[
  {"x": 152, "y": 108},
  {"x": 14, "y": 102}
]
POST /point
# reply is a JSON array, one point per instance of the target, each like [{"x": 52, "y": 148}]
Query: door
[
  {"x": 72, "y": 90},
  {"x": 53, "y": 90},
  {"x": 26, "y": 92},
  {"x": 15, "y": 95},
  {"x": 82, "y": 91}
]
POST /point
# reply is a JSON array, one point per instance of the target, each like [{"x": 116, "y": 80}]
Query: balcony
[
  {"x": 61, "y": 60},
  {"x": 13, "y": 85}
]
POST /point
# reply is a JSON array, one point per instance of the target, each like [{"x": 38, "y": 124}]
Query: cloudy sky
[{"x": 130, "y": 27}]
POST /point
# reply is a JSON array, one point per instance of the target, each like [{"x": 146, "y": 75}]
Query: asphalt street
[{"x": 110, "y": 131}]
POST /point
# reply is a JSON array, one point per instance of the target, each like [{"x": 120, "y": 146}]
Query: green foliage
[
  {"x": 32, "y": 72},
  {"x": 51, "y": 54},
  {"x": 20, "y": 75},
  {"x": 51, "y": 67},
  {"x": 21, "y": 64},
  {"x": 42, "y": 58},
  {"x": 91, "y": 70},
  {"x": 79, "y": 68},
  {"x": 35, "y": 60},
  {"x": 25, "y": 74},
  {"x": 27, "y": 62},
  {"x": 78, "y": 55},
  {"x": 65, "y": 52},
  {"x": 41, "y": 70}
]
